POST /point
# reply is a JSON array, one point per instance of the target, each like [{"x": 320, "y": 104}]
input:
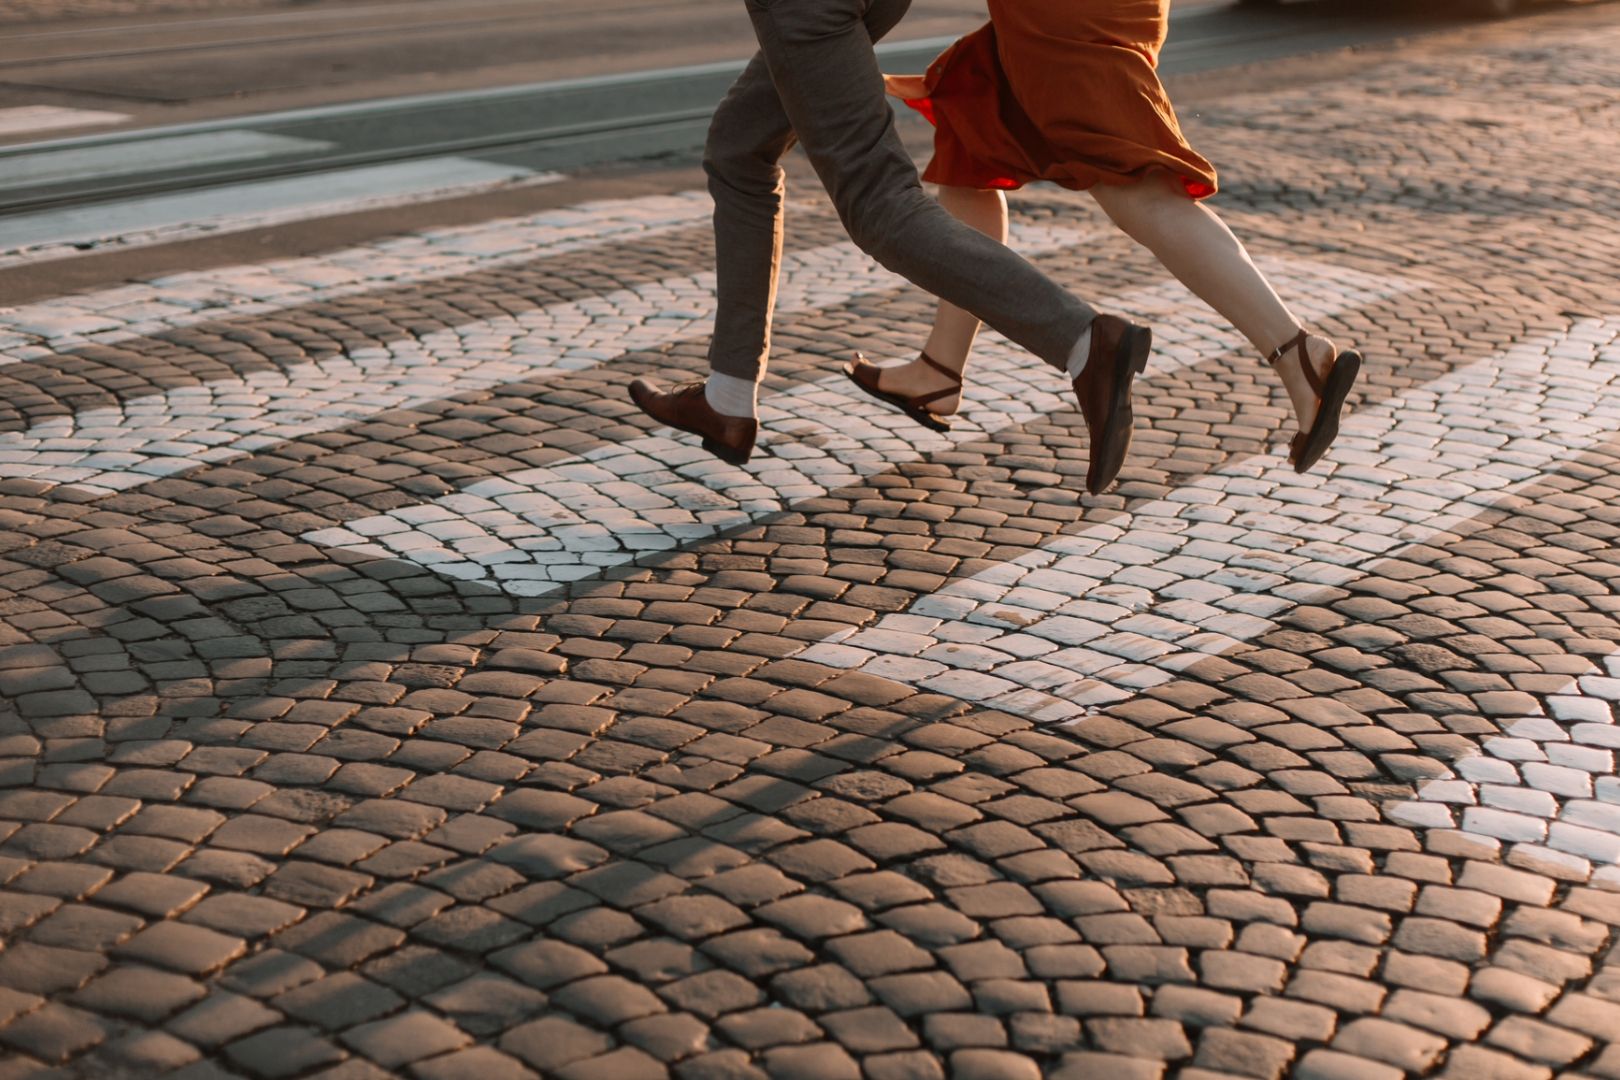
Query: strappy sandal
[
  {"x": 1307, "y": 447},
  {"x": 865, "y": 375}
]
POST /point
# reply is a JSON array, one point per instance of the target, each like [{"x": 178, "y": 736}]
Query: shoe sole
[
  {"x": 1108, "y": 456},
  {"x": 725, "y": 453},
  {"x": 1325, "y": 430}
]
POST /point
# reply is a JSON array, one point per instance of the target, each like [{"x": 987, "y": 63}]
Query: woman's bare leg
[
  {"x": 1187, "y": 237},
  {"x": 954, "y": 329},
  {"x": 1195, "y": 245}
]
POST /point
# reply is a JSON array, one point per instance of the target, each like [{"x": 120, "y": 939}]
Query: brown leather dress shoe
[
  {"x": 1119, "y": 352},
  {"x": 729, "y": 438}
]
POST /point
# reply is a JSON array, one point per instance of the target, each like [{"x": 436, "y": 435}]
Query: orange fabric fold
[{"x": 1059, "y": 90}]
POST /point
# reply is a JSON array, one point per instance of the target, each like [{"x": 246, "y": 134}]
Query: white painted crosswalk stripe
[
  {"x": 1121, "y": 605},
  {"x": 531, "y": 532},
  {"x": 1095, "y": 617},
  {"x": 119, "y": 447},
  {"x": 40, "y": 331},
  {"x": 1544, "y": 792},
  {"x": 228, "y": 208}
]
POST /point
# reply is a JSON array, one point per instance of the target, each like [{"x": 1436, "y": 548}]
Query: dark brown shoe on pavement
[
  {"x": 1119, "y": 352},
  {"x": 729, "y": 438}
]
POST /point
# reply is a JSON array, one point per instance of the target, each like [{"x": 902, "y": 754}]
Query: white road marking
[
  {"x": 21, "y": 167},
  {"x": 1094, "y": 617},
  {"x": 1544, "y": 793},
  {"x": 533, "y": 531},
  {"x": 112, "y": 316},
  {"x": 1133, "y": 601},
  {"x": 119, "y": 447},
  {"x": 236, "y": 207},
  {"x": 27, "y": 119}
]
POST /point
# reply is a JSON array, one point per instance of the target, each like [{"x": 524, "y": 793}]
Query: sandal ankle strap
[
  {"x": 954, "y": 376},
  {"x": 1297, "y": 342}
]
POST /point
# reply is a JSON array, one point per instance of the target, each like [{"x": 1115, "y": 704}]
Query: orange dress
[{"x": 1059, "y": 90}]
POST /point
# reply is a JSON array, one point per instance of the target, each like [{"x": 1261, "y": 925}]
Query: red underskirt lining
[{"x": 1196, "y": 189}]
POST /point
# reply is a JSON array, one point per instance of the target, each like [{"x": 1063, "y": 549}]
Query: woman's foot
[
  {"x": 1318, "y": 378},
  {"x": 921, "y": 378},
  {"x": 1321, "y": 352},
  {"x": 932, "y": 407}
]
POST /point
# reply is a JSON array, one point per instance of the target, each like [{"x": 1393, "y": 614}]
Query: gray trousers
[{"x": 816, "y": 80}]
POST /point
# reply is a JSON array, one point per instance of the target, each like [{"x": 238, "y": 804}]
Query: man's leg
[
  {"x": 820, "y": 58},
  {"x": 748, "y": 138},
  {"x": 830, "y": 94}
]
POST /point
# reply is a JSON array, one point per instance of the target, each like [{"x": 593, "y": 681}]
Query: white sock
[
  {"x": 731, "y": 396},
  {"x": 1081, "y": 353}
]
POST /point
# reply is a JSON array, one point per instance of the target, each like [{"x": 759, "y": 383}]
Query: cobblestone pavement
[{"x": 382, "y": 695}]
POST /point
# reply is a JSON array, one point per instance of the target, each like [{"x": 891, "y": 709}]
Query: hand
[{"x": 906, "y": 87}]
